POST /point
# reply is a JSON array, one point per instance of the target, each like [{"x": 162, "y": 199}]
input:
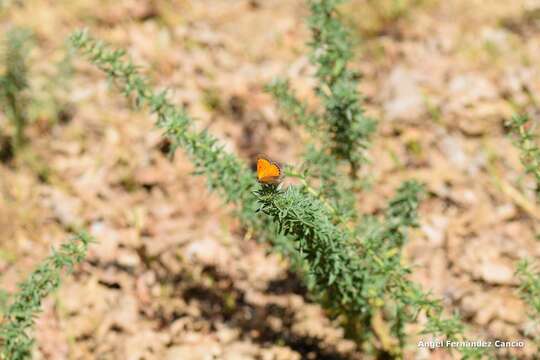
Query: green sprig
[
  {"x": 530, "y": 152},
  {"x": 529, "y": 290},
  {"x": 223, "y": 172},
  {"x": 340, "y": 132},
  {"x": 349, "y": 128},
  {"x": 14, "y": 82},
  {"x": 15, "y": 340},
  {"x": 354, "y": 276}
]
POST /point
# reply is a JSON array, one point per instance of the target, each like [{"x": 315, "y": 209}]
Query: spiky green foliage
[
  {"x": 344, "y": 127},
  {"x": 295, "y": 109},
  {"x": 375, "y": 281},
  {"x": 352, "y": 271},
  {"x": 49, "y": 91},
  {"x": 14, "y": 82},
  {"x": 350, "y": 129},
  {"x": 320, "y": 167},
  {"x": 529, "y": 289},
  {"x": 323, "y": 173},
  {"x": 528, "y": 274},
  {"x": 4, "y": 297},
  {"x": 359, "y": 273},
  {"x": 340, "y": 132},
  {"x": 223, "y": 172},
  {"x": 526, "y": 142},
  {"x": 15, "y": 340}
]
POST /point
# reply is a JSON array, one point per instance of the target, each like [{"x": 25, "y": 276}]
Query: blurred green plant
[
  {"x": 358, "y": 274},
  {"x": 529, "y": 286},
  {"x": 50, "y": 91},
  {"x": 526, "y": 143},
  {"x": 15, "y": 341},
  {"x": 14, "y": 82},
  {"x": 529, "y": 289},
  {"x": 348, "y": 128},
  {"x": 340, "y": 132},
  {"x": 528, "y": 274},
  {"x": 342, "y": 128},
  {"x": 4, "y": 297},
  {"x": 223, "y": 172},
  {"x": 355, "y": 272},
  {"x": 23, "y": 101},
  {"x": 319, "y": 165},
  {"x": 360, "y": 277}
]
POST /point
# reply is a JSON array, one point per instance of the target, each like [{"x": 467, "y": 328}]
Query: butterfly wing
[{"x": 268, "y": 172}]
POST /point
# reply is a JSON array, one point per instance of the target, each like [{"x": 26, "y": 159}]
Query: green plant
[
  {"x": 529, "y": 290},
  {"x": 355, "y": 272},
  {"x": 353, "y": 275},
  {"x": 528, "y": 274},
  {"x": 4, "y": 297},
  {"x": 15, "y": 340},
  {"x": 529, "y": 287},
  {"x": 358, "y": 274},
  {"x": 14, "y": 82},
  {"x": 343, "y": 128},
  {"x": 348, "y": 127},
  {"x": 23, "y": 102},
  {"x": 341, "y": 132},
  {"x": 223, "y": 172},
  {"x": 530, "y": 152},
  {"x": 320, "y": 166},
  {"x": 49, "y": 92}
]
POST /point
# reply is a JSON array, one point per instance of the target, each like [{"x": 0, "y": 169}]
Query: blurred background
[{"x": 173, "y": 276}]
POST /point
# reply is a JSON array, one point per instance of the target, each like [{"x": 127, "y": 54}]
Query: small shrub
[
  {"x": 4, "y": 297},
  {"x": 528, "y": 274},
  {"x": 223, "y": 172},
  {"x": 356, "y": 273},
  {"x": 14, "y": 82},
  {"x": 361, "y": 268},
  {"x": 342, "y": 128},
  {"x": 15, "y": 340},
  {"x": 530, "y": 152},
  {"x": 23, "y": 102},
  {"x": 49, "y": 103},
  {"x": 340, "y": 132},
  {"x": 529, "y": 290},
  {"x": 529, "y": 287}
]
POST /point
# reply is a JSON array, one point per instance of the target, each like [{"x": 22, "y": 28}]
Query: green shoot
[
  {"x": 20, "y": 315},
  {"x": 530, "y": 152},
  {"x": 14, "y": 83}
]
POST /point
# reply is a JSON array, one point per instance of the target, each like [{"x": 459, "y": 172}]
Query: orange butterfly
[{"x": 268, "y": 171}]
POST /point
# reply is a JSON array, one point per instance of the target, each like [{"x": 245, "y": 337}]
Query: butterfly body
[{"x": 268, "y": 171}]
